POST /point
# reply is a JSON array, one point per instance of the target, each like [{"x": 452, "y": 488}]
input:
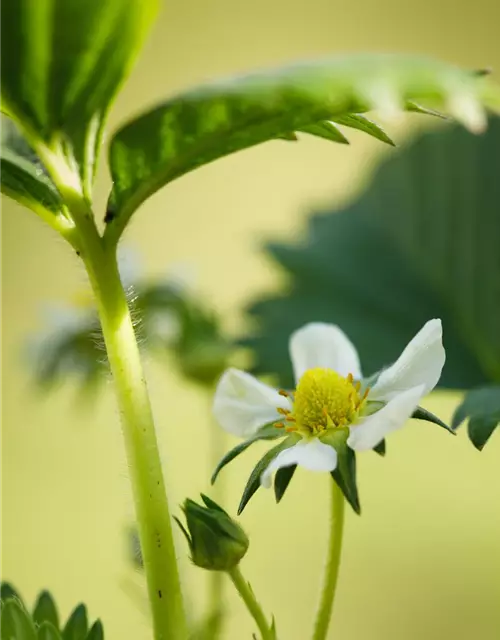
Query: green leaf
[
  {"x": 46, "y": 610},
  {"x": 386, "y": 263},
  {"x": 326, "y": 130},
  {"x": 253, "y": 482},
  {"x": 23, "y": 178},
  {"x": 282, "y": 479},
  {"x": 7, "y": 592},
  {"x": 76, "y": 627},
  {"x": 422, "y": 414},
  {"x": 47, "y": 631},
  {"x": 482, "y": 407},
  {"x": 63, "y": 62},
  {"x": 268, "y": 432},
  {"x": 16, "y": 622},
  {"x": 357, "y": 121},
  {"x": 96, "y": 632},
  {"x": 220, "y": 118}
]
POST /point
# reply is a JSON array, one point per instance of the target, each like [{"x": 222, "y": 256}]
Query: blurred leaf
[
  {"x": 220, "y": 118},
  {"x": 76, "y": 627},
  {"x": 357, "y": 121},
  {"x": 46, "y": 610},
  {"x": 268, "y": 432},
  {"x": 326, "y": 130},
  {"x": 7, "y": 592},
  {"x": 16, "y": 622},
  {"x": 47, "y": 631},
  {"x": 253, "y": 482},
  {"x": 96, "y": 632},
  {"x": 420, "y": 242},
  {"x": 63, "y": 62},
  {"x": 282, "y": 479},
  {"x": 482, "y": 408},
  {"x": 23, "y": 178}
]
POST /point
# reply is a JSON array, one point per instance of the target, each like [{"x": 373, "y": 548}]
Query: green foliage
[
  {"x": 482, "y": 408},
  {"x": 216, "y": 541},
  {"x": 17, "y": 623},
  {"x": 63, "y": 62},
  {"x": 168, "y": 320},
  {"x": 220, "y": 118},
  {"x": 23, "y": 177},
  {"x": 420, "y": 242}
]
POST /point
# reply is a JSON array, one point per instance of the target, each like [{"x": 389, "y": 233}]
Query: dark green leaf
[
  {"x": 482, "y": 407},
  {"x": 269, "y": 432},
  {"x": 7, "y": 592},
  {"x": 326, "y": 130},
  {"x": 96, "y": 632},
  {"x": 220, "y": 118},
  {"x": 63, "y": 62},
  {"x": 253, "y": 482},
  {"x": 77, "y": 625},
  {"x": 16, "y": 622},
  {"x": 345, "y": 476},
  {"x": 386, "y": 263},
  {"x": 23, "y": 178},
  {"x": 380, "y": 448},
  {"x": 362, "y": 123},
  {"x": 422, "y": 414},
  {"x": 47, "y": 631},
  {"x": 282, "y": 480},
  {"x": 46, "y": 610}
]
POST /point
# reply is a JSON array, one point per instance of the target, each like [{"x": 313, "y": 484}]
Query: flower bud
[{"x": 215, "y": 540}]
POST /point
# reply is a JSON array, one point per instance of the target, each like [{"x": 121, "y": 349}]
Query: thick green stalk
[
  {"x": 152, "y": 512},
  {"x": 325, "y": 609},
  {"x": 254, "y": 608}
]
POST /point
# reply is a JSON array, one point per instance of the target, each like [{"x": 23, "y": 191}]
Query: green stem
[
  {"x": 248, "y": 597},
  {"x": 333, "y": 563},
  {"x": 151, "y": 506}
]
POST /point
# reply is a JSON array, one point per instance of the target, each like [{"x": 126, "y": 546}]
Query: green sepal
[
  {"x": 253, "y": 482},
  {"x": 482, "y": 407},
  {"x": 16, "y": 622},
  {"x": 268, "y": 432},
  {"x": 282, "y": 479},
  {"x": 422, "y": 414},
  {"x": 45, "y": 610},
  {"x": 326, "y": 130},
  {"x": 364, "y": 124},
  {"x": 345, "y": 472},
  {"x": 418, "y": 108},
  {"x": 47, "y": 631},
  {"x": 76, "y": 627},
  {"x": 380, "y": 448},
  {"x": 96, "y": 632}
]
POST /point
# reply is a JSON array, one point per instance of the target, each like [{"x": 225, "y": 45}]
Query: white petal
[
  {"x": 369, "y": 431},
  {"x": 323, "y": 345},
  {"x": 242, "y": 404},
  {"x": 420, "y": 363},
  {"x": 310, "y": 454}
]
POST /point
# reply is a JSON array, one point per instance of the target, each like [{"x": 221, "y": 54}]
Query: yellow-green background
[{"x": 424, "y": 559}]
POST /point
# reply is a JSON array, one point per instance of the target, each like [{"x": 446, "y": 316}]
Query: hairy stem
[
  {"x": 151, "y": 506},
  {"x": 325, "y": 609},
  {"x": 254, "y": 608}
]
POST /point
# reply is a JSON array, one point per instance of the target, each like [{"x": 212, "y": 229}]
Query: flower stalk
[
  {"x": 325, "y": 609},
  {"x": 251, "y": 603},
  {"x": 143, "y": 458}
]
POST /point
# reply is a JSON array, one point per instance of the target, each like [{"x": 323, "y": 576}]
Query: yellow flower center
[{"x": 323, "y": 400}]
